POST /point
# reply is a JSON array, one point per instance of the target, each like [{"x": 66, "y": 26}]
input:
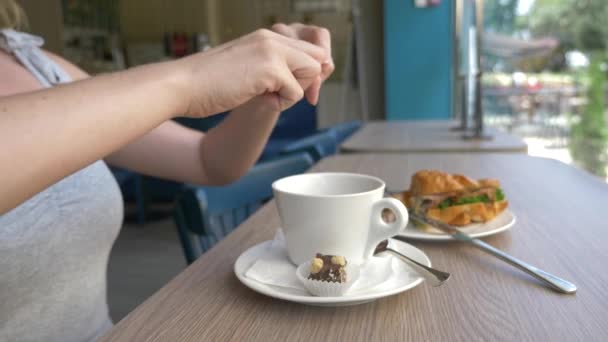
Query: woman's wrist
[
  {"x": 170, "y": 85},
  {"x": 177, "y": 83}
]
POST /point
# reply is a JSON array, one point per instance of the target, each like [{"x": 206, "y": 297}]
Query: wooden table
[
  {"x": 561, "y": 226},
  {"x": 426, "y": 137}
]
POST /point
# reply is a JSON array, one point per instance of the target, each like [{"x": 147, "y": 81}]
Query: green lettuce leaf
[{"x": 500, "y": 196}]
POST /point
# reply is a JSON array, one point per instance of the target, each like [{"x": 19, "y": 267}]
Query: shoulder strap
[{"x": 26, "y": 48}]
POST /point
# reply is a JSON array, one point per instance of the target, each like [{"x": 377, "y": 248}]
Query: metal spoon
[
  {"x": 554, "y": 282},
  {"x": 435, "y": 277}
]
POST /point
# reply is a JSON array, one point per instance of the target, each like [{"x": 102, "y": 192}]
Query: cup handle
[{"x": 381, "y": 230}]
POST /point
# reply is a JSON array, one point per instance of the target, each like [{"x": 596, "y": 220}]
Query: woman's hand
[
  {"x": 273, "y": 68},
  {"x": 319, "y": 36},
  {"x": 265, "y": 68}
]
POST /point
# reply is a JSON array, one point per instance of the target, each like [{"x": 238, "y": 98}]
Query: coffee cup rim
[{"x": 381, "y": 185}]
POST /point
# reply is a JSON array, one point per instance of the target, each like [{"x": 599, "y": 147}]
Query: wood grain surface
[
  {"x": 562, "y": 217},
  {"x": 426, "y": 137}
]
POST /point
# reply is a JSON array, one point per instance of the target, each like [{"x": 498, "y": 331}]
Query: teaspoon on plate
[
  {"x": 435, "y": 277},
  {"x": 554, "y": 282}
]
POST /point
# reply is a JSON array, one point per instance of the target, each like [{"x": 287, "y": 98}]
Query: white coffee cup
[{"x": 335, "y": 213}]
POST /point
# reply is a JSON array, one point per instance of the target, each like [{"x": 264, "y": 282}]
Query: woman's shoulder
[{"x": 74, "y": 71}]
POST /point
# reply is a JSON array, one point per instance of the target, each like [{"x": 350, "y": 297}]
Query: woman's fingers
[
  {"x": 285, "y": 30},
  {"x": 289, "y": 89},
  {"x": 316, "y": 52},
  {"x": 318, "y": 36},
  {"x": 312, "y": 92},
  {"x": 303, "y": 40},
  {"x": 279, "y": 68},
  {"x": 305, "y": 70},
  {"x": 303, "y": 66}
]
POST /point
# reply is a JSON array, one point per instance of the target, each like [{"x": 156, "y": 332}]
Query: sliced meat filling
[{"x": 444, "y": 200}]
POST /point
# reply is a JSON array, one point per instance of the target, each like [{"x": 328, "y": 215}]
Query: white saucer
[
  {"x": 499, "y": 224},
  {"x": 402, "y": 279}
]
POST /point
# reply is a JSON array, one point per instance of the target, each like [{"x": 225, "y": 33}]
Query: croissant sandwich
[{"x": 454, "y": 199}]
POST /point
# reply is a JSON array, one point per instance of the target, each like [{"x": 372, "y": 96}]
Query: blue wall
[{"x": 417, "y": 60}]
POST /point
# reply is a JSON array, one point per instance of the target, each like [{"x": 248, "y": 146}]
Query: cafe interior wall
[
  {"x": 418, "y": 60},
  {"x": 146, "y": 22},
  {"x": 228, "y": 19},
  {"x": 45, "y": 19}
]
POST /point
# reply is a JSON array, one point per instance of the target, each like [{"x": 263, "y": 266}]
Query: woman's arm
[
  {"x": 224, "y": 154},
  {"x": 175, "y": 152},
  {"x": 49, "y": 134}
]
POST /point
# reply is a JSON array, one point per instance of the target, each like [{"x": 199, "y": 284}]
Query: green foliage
[
  {"x": 94, "y": 14},
  {"x": 578, "y": 24},
  {"x": 500, "y": 15},
  {"x": 589, "y": 137},
  {"x": 555, "y": 61}
]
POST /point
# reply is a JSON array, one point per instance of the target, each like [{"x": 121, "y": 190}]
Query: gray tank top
[{"x": 54, "y": 247}]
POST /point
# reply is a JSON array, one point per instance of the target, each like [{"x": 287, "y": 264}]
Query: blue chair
[
  {"x": 273, "y": 148},
  {"x": 202, "y": 124},
  {"x": 344, "y": 130},
  {"x": 205, "y": 215},
  {"x": 145, "y": 190},
  {"x": 318, "y": 145},
  {"x": 298, "y": 121},
  {"x": 294, "y": 123},
  {"x": 131, "y": 186}
]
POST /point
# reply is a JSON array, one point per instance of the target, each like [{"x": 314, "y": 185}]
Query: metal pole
[
  {"x": 459, "y": 107},
  {"x": 477, "y": 92}
]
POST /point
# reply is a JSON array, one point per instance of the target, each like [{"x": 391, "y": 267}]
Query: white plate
[
  {"x": 402, "y": 279},
  {"x": 499, "y": 224}
]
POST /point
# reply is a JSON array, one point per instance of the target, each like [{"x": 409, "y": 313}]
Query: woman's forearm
[
  {"x": 231, "y": 148},
  {"x": 49, "y": 134}
]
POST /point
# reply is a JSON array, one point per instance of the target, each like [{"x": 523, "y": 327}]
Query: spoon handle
[
  {"x": 435, "y": 277},
  {"x": 553, "y": 281}
]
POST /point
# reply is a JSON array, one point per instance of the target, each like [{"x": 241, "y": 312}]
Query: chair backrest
[
  {"x": 344, "y": 130},
  {"x": 205, "y": 215},
  {"x": 203, "y": 124},
  {"x": 296, "y": 122},
  {"x": 318, "y": 145}
]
